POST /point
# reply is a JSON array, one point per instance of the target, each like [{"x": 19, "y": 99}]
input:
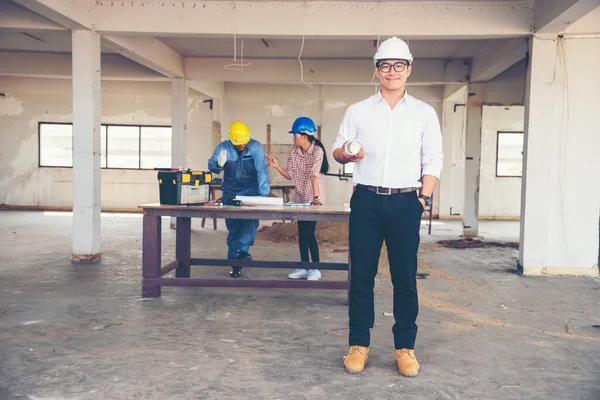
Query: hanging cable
[
  {"x": 237, "y": 66},
  {"x": 308, "y": 84}
]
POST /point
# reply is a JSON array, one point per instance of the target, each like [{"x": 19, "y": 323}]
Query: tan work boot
[
  {"x": 356, "y": 359},
  {"x": 407, "y": 362}
]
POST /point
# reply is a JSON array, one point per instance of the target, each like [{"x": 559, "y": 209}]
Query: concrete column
[
  {"x": 179, "y": 113},
  {"x": 560, "y": 196},
  {"x": 472, "y": 161},
  {"x": 86, "y": 146}
]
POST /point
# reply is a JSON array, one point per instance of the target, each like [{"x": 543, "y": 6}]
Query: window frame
[
  {"x": 498, "y": 150},
  {"x": 40, "y": 123},
  {"x": 40, "y": 144}
]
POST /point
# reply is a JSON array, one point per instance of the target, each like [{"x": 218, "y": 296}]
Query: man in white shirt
[{"x": 400, "y": 155}]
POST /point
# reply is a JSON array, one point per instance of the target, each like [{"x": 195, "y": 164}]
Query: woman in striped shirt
[{"x": 305, "y": 165}]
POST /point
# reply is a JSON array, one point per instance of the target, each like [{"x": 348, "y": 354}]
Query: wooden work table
[
  {"x": 285, "y": 194},
  {"x": 154, "y": 273}
]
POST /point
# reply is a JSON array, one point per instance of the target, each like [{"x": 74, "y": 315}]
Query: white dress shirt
[{"x": 400, "y": 145}]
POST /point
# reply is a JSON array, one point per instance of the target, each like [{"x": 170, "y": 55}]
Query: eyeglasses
[{"x": 398, "y": 67}]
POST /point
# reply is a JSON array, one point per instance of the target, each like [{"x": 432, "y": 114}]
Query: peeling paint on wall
[
  {"x": 276, "y": 110},
  {"x": 333, "y": 105}
]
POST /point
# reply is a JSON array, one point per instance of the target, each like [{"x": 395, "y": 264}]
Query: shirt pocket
[{"x": 407, "y": 133}]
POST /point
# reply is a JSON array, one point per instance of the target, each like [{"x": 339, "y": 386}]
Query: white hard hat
[{"x": 393, "y": 49}]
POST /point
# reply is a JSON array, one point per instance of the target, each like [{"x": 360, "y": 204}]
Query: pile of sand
[{"x": 332, "y": 233}]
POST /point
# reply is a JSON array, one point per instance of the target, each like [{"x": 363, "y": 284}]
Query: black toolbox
[{"x": 179, "y": 187}]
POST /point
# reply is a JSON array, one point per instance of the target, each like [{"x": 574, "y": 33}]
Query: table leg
[
  {"x": 151, "y": 248},
  {"x": 183, "y": 247}
]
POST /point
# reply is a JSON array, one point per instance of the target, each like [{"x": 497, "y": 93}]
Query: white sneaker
[
  {"x": 299, "y": 274},
  {"x": 313, "y": 275}
]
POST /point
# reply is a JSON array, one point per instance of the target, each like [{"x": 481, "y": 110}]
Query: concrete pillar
[
  {"x": 560, "y": 196},
  {"x": 86, "y": 146},
  {"x": 472, "y": 161},
  {"x": 179, "y": 113}
]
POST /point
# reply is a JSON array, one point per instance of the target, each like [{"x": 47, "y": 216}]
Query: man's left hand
[{"x": 422, "y": 204}]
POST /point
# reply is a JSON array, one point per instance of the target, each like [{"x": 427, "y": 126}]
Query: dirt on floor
[
  {"x": 467, "y": 243},
  {"x": 72, "y": 331},
  {"x": 329, "y": 233}
]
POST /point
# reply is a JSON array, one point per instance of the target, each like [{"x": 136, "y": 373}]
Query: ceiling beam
[
  {"x": 72, "y": 14},
  {"x": 496, "y": 57},
  {"x": 554, "y": 16},
  {"x": 590, "y": 24},
  {"x": 314, "y": 19},
  {"x": 149, "y": 52},
  {"x": 349, "y": 72},
  {"x": 59, "y": 66},
  {"x": 214, "y": 90},
  {"x": 13, "y": 17}
]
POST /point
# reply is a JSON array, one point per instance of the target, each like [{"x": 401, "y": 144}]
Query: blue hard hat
[{"x": 303, "y": 125}]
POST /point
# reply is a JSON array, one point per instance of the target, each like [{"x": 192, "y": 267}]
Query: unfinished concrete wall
[
  {"x": 498, "y": 196},
  {"x": 279, "y": 105},
  {"x": 508, "y": 88},
  {"x": 29, "y": 101}
]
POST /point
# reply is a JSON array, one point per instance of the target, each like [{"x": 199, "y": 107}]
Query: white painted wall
[
  {"x": 498, "y": 196},
  {"x": 452, "y": 182},
  {"x": 28, "y": 101},
  {"x": 31, "y": 100},
  {"x": 279, "y": 105}
]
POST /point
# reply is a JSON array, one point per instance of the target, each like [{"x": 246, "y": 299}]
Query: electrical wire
[
  {"x": 308, "y": 84},
  {"x": 236, "y": 66}
]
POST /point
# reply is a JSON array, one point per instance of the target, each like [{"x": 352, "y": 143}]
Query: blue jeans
[{"x": 241, "y": 235}]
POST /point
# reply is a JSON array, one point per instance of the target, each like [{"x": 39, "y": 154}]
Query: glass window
[
  {"x": 509, "y": 160},
  {"x": 103, "y": 146},
  {"x": 56, "y": 145},
  {"x": 155, "y": 147},
  {"x": 123, "y": 146}
]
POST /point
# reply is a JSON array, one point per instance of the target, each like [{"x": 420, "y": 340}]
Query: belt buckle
[{"x": 386, "y": 193}]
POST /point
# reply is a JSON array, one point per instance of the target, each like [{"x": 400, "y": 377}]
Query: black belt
[{"x": 386, "y": 191}]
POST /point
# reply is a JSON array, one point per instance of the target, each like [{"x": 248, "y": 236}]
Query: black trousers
[
  {"x": 307, "y": 241},
  {"x": 396, "y": 219}
]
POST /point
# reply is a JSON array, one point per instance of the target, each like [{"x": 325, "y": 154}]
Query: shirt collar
[
  {"x": 379, "y": 98},
  {"x": 310, "y": 150}
]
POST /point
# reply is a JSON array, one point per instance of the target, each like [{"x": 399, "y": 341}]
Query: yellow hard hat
[{"x": 239, "y": 133}]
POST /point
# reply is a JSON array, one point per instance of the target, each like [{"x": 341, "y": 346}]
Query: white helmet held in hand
[{"x": 393, "y": 49}]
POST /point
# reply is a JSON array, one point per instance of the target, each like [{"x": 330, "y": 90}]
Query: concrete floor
[{"x": 82, "y": 332}]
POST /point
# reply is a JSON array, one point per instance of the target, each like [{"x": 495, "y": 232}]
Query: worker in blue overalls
[{"x": 245, "y": 165}]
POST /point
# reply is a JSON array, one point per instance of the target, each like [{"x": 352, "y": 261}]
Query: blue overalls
[{"x": 245, "y": 175}]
